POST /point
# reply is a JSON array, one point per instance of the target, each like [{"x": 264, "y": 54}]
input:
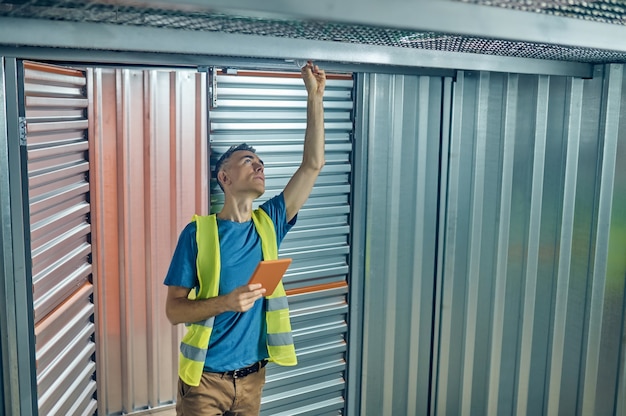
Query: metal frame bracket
[{"x": 23, "y": 130}]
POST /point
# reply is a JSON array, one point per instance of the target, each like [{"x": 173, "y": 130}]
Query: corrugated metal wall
[
  {"x": 150, "y": 154},
  {"x": 526, "y": 270},
  {"x": 58, "y": 187},
  {"x": 532, "y": 303},
  {"x": 403, "y": 121},
  {"x": 268, "y": 111},
  {"x": 494, "y": 274}
]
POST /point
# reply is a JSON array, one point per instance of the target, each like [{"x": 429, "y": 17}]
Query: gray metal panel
[
  {"x": 528, "y": 325},
  {"x": 317, "y": 384},
  {"x": 58, "y": 177},
  {"x": 5, "y": 249},
  {"x": 607, "y": 297},
  {"x": 404, "y": 115},
  {"x": 2, "y": 380},
  {"x": 268, "y": 111}
]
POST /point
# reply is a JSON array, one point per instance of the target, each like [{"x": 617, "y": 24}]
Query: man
[{"x": 232, "y": 331}]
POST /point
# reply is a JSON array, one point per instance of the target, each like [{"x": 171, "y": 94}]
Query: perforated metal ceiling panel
[
  {"x": 605, "y": 11},
  {"x": 180, "y": 16}
]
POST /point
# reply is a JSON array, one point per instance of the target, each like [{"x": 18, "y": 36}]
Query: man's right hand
[
  {"x": 242, "y": 298},
  {"x": 179, "y": 309}
]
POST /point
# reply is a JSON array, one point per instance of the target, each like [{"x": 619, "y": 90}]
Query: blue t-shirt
[{"x": 238, "y": 338}]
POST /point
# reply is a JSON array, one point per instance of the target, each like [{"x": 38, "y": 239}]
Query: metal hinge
[
  {"x": 213, "y": 86},
  {"x": 212, "y": 83},
  {"x": 22, "y": 127}
]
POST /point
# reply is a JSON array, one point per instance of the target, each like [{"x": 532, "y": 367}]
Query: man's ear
[{"x": 222, "y": 177}]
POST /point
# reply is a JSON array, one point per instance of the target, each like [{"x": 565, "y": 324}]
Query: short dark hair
[{"x": 227, "y": 154}]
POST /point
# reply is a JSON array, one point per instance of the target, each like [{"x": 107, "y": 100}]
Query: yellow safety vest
[{"x": 194, "y": 346}]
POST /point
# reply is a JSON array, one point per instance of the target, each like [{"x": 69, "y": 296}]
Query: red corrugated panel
[{"x": 150, "y": 157}]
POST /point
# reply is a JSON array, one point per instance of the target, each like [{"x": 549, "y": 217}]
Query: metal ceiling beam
[
  {"x": 152, "y": 60},
  {"x": 108, "y": 37},
  {"x": 443, "y": 16}
]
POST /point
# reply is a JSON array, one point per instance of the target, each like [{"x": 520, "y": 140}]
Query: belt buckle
[
  {"x": 249, "y": 370},
  {"x": 242, "y": 372}
]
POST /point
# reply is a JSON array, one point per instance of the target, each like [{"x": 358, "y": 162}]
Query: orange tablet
[{"x": 269, "y": 273}]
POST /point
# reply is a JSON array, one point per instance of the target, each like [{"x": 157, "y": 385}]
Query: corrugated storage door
[
  {"x": 58, "y": 185},
  {"x": 268, "y": 111}
]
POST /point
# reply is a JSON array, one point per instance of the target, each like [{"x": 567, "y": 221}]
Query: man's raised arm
[{"x": 301, "y": 183}]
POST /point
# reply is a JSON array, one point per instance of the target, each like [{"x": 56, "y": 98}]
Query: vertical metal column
[
  {"x": 16, "y": 319},
  {"x": 358, "y": 266}
]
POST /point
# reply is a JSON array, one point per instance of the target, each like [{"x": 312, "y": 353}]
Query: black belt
[{"x": 248, "y": 370}]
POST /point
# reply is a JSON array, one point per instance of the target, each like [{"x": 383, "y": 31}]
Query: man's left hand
[{"x": 314, "y": 79}]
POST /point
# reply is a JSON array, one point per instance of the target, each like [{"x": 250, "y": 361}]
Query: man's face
[{"x": 243, "y": 173}]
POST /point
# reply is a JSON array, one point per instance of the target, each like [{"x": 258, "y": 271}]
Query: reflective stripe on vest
[{"x": 193, "y": 348}]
